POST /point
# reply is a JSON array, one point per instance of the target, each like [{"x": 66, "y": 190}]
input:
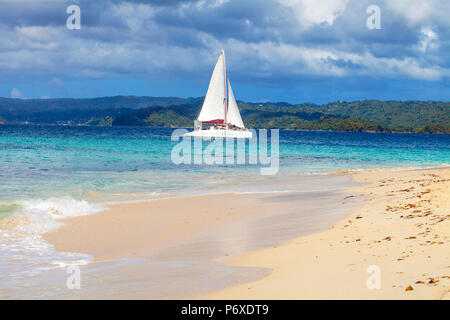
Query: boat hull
[{"x": 220, "y": 134}]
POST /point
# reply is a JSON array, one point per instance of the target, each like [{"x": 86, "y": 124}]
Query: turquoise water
[
  {"x": 49, "y": 173},
  {"x": 96, "y": 162}
]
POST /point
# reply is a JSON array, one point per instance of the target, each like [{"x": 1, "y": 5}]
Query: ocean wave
[
  {"x": 60, "y": 208},
  {"x": 23, "y": 250}
]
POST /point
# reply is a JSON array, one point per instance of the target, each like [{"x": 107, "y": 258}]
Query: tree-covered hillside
[
  {"x": 79, "y": 110},
  {"x": 396, "y": 114},
  {"x": 409, "y": 116},
  {"x": 368, "y": 115},
  {"x": 175, "y": 116},
  {"x": 431, "y": 117}
]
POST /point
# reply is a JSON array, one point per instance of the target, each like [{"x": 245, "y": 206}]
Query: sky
[{"x": 296, "y": 51}]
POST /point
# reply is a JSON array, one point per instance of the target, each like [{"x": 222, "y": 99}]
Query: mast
[{"x": 225, "y": 102}]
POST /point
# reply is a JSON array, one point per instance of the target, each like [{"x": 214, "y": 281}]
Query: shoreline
[
  {"x": 268, "y": 244},
  {"x": 158, "y": 127},
  {"x": 196, "y": 232},
  {"x": 401, "y": 230}
]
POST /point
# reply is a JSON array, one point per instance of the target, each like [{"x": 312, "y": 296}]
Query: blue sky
[{"x": 277, "y": 50}]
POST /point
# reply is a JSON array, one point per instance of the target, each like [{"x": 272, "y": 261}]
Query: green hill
[
  {"x": 174, "y": 116},
  {"x": 78, "y": 111},
  {"x": 414, "y": 116},
  {"x": 367, "y": 115},
  {"x": 373, "y": 115}
]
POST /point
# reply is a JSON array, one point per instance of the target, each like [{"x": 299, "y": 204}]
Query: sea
[{"x": 49, "y": 173}]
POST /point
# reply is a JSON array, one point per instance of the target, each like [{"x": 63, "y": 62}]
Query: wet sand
[
  {"x": 317, "y": 244},
  {"x": 173, "y": 248}
]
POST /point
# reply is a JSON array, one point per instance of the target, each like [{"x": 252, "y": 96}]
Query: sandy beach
[
  {"x": 403, "y": 227},
  {"x": 313, "y": 244}
]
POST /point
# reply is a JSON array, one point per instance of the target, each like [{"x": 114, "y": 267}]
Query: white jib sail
[
  {"x": 233, "y": 115},
  {"x": 214, "y": 105}
]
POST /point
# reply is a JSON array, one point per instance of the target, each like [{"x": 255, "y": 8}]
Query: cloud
[
  {"x": 16, "y": 94},
  {"x": 417, "y": 12},
  {"x": 429, "y": 40},
  {"x": 265, "y": 41},
  {"x": 312, "y": 12}
]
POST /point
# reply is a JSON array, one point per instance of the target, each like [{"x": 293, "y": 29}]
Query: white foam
[
  {"x": 24, "y": 252},
  {"x": 60, "y": 208}
]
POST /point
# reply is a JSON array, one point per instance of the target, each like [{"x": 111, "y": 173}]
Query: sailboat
[{"x": 220, "y": 116}]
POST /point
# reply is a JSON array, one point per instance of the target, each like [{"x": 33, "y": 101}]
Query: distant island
[{"x": 367, "y": 115}]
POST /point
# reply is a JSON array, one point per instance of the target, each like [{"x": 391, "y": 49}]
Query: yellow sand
[{"x": 403, "y": 228}]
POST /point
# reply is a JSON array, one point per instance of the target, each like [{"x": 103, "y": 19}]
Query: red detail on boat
[{"x": 214, "y": 121}]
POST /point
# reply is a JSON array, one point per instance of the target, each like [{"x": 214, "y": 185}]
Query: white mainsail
[
  {"x": 220, "y": 107},
  {"x": 215, "y": 101},
  {"x": 233, "y": 114}
]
